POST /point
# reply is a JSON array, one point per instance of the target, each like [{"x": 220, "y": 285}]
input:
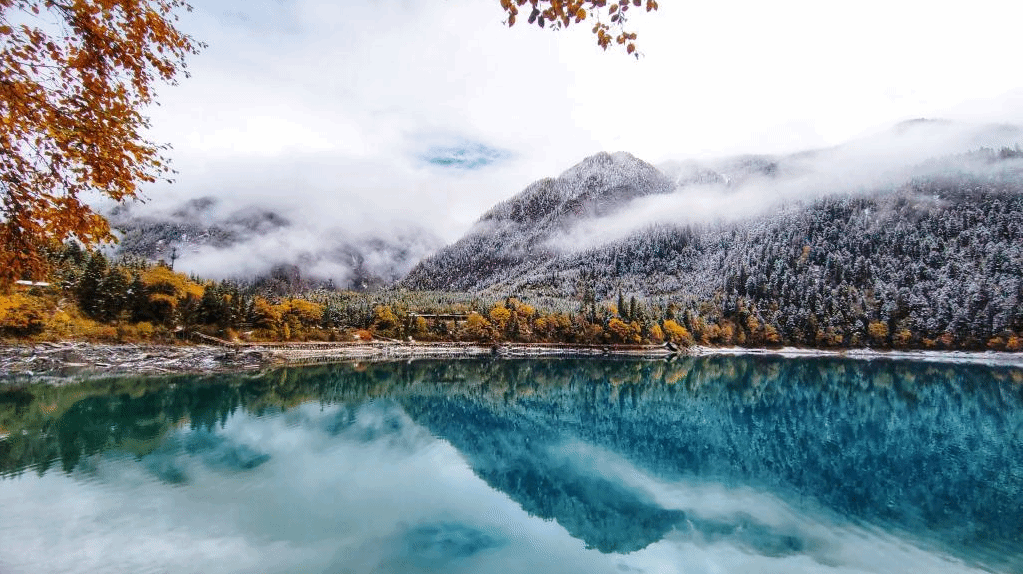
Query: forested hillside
[
  {"x": 515, "y": 236},
  {"x": 933, "y": 262}
]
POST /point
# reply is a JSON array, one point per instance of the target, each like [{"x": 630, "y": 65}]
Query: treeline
[
  {"x": 935, "y": 264},
  {"x": 91, "y": 297}
]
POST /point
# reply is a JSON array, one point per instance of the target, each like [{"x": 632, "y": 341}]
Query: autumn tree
[
  {"x": 608, "y": 17},
  {"x": 21, "y": 315},
  {"x": 477, "y": 328},
  {"x": 75, "y": 79},
  {"x": 677, "y": 333},
  {"x": 385, "y": 322},
  {"x": 622, "y": 332},
  {"x": 171, "y": 296}
]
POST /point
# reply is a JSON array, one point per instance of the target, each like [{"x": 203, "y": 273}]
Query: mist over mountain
[
  {"x": 515, "y": 235},
  {"x": 259, "y": 244},
  {"x": 819, "y": 244}
]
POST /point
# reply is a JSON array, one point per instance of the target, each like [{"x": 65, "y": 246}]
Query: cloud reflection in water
[{"x": 435, "y": 467}]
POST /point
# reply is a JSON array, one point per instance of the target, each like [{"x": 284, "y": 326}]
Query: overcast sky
[{"x": 368, "y": 112}]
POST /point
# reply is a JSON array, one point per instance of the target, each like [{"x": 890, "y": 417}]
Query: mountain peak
[{"x": 520, "y": 228}]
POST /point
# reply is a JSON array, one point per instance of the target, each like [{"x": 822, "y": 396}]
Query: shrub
[{"x": 22, "y": 315}]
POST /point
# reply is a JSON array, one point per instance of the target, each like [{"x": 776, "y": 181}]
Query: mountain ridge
[
  {"x": 516, "y": 231},
  {"x": 928, "y": 252}
]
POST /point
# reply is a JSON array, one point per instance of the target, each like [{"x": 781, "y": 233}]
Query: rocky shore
[
  {"x": 56, "y": 361},
  {"x": 71, "y": 358}
]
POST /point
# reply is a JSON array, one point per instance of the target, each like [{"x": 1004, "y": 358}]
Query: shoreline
[
  {"x": 67, "y": 360},
  {"x": 989, "y": 358}
]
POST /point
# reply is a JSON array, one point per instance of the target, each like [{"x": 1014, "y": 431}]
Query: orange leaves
[
  {"x": 563, "y": 13},
  {"x": 71, "y": 118}
]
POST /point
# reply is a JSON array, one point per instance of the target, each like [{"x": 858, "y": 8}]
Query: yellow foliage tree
[
  {"x": 168, "y": 292},
  {"x": 677, "y": 333},
  {"x": 477, "y": 328},
  {"x": 297, "y": 316},
  {"x": 621, "y": 332},
  {"x": 420, "y": 327},
  {"x": 75, "y": 77},
  {"x": 385, "y": 321},
  {"x": 902, "y": 338},
  {"x": 1014, "y": 344},
  {"x": 878, "y": 332},
  {"x": 500, "y": 316},
  {"x": 265, "y": 315},
  {"x": 21, "y": 315}
]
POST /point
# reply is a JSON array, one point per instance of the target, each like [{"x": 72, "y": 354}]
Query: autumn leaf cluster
[
  {"x": 608, "y": 17},
  {"x": 75, "y": 79}
]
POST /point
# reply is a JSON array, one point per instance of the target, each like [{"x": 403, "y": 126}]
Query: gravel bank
[{"x": 58, "y": 360}]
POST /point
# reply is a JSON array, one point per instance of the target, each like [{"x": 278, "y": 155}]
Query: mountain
[
  {"x": 514, "y": 236},
  {"x": 921, "y": 254},
  {"x": 259, "y": 245}
]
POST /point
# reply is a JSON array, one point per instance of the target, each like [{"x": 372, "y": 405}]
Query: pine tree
[
  {"x": 89, "y": 286},
  {"x": 138, "y": 301},
  {"x": 112, "y": 295}
]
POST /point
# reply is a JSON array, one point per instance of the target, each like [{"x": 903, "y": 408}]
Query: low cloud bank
[{"x": 741, "y": 187}]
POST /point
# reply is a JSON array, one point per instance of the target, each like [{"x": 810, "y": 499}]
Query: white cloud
[
  {"x": 884, "y": 160},
  {"x": 324, "y": 107}
]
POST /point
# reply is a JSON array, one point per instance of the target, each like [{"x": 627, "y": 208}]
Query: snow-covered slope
[
  {"x": 513, "y": 237},
  {"x": 933, "y": 253}
]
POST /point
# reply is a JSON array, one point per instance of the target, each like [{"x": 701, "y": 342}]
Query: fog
[
  {"x": 369, "y": 118},
  {"x": 353, "y": 123},
  {"x": 747, "y": 186}
]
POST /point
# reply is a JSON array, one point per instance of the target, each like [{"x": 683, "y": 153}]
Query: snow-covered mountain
[
  {"x": 819, "y": 245},
  {"x": 515, "y": 235}
]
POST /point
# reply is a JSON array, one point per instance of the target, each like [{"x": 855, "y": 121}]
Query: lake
[{"x": 713, "y": 464}]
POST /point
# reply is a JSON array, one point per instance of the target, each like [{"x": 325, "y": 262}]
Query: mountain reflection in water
[{"x": 734, "y": 464}]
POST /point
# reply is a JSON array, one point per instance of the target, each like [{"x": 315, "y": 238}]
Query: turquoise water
[{"x": 720, "y": 464}]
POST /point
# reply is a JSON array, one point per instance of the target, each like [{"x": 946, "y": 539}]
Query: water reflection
[{"x": 711, "y": 464}]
